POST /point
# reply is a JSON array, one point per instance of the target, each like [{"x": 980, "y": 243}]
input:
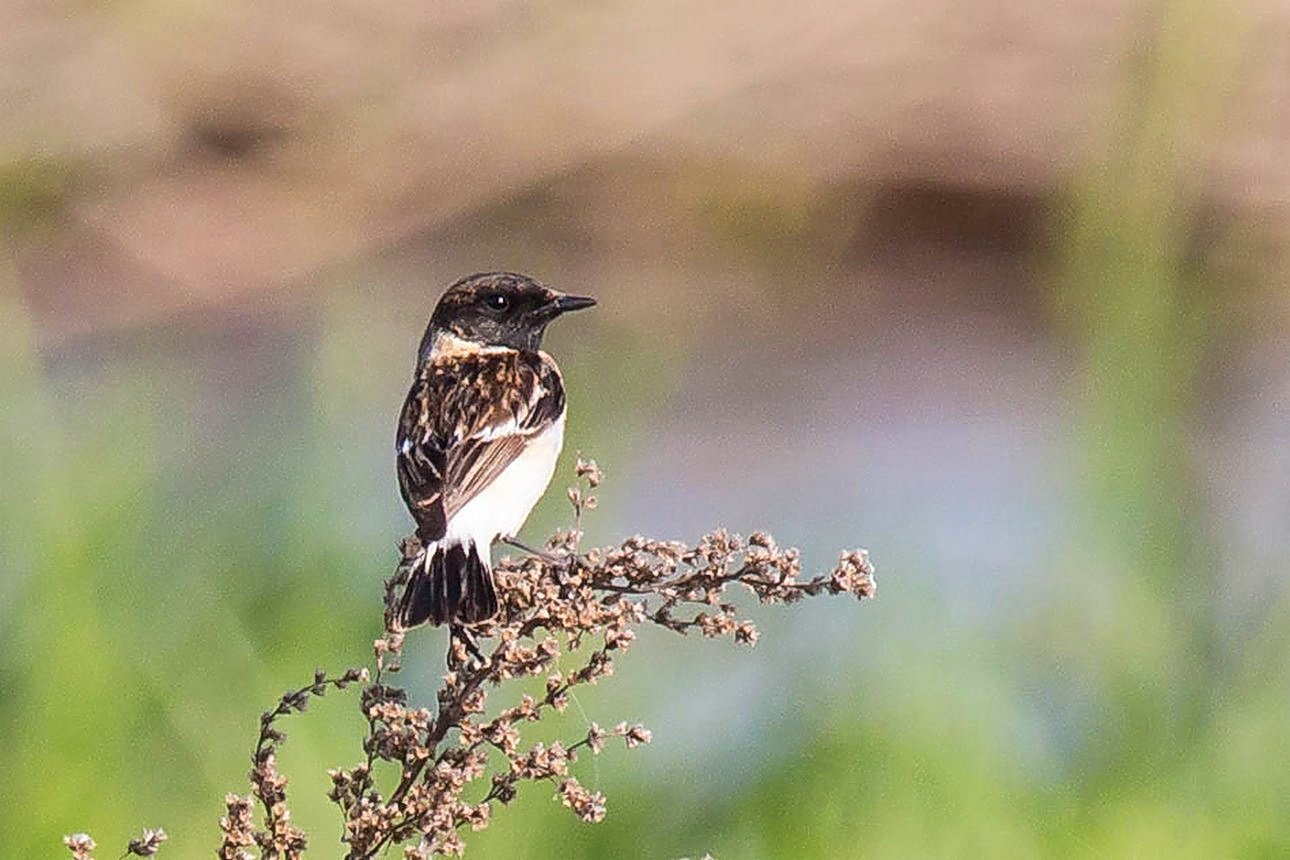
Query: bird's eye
[{"x": 496, "y": 302}]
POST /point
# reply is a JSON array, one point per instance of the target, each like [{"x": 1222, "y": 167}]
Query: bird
[{"x": 478, "y": 438}]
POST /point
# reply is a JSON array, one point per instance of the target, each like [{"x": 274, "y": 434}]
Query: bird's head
[{"x": 497, "y": 309}]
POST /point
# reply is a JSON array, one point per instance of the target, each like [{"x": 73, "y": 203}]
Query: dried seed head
[
  {"x": 589, "y": 471},
  {"x": 80, "y": 844},
  {"x": 147, "y": 844},
  {"x": 587, "y": 805}
]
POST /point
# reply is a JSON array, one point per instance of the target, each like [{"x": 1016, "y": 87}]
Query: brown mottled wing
[
  {"x": 421, "y": 461},
  {"x": 520, "y": 410},
  {"x": 465, "y": 420}
]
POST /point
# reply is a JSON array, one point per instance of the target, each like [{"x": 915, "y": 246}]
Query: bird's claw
[{"x": 469, "y": 648}]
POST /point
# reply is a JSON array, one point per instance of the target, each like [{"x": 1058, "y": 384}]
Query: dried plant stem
[{"x": 584, "y": 605}]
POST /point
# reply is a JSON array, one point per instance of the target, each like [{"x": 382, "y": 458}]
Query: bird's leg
[
  {"x": 459, "y": 632},
  {"x": 564, "y": 564},
  {"x": 546, "y": 555}
]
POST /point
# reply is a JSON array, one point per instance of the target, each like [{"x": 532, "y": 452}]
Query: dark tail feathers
[{"x": 454, "y": 585}]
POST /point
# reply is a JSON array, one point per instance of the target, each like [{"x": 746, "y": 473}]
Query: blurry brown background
[
  {"x": 203, "y": 154},
  {"x": 995, "y": 289}
]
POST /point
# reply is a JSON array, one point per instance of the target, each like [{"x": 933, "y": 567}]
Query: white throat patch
[{"x": 448, "y": 343}]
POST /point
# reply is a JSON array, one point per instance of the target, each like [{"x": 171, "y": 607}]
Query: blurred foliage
[{"x": 33, "y": 191}]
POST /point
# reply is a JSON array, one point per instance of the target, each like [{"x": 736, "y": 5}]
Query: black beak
[{"x": 564, "y": 303}]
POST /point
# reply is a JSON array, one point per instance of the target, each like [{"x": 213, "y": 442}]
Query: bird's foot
[{"x": 460, "y": 635}]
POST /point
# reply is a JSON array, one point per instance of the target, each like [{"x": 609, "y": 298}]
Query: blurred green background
[{"x": 995, "y": 289}]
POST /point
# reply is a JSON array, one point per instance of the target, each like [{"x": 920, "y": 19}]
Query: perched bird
[{"x": 478, "y": 438}]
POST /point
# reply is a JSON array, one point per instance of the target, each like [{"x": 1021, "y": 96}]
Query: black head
[{"x": 499, "y": 309}]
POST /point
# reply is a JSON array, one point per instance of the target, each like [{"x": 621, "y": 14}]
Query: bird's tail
[{"x": 454, "y": 584}]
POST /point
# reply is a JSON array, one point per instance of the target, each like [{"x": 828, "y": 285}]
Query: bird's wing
[
  {"x": 465, "y": 420},
  {"x": 421, "y": 462}
]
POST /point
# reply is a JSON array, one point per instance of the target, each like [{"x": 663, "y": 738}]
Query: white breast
[{"x": 502, "y": 507}]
